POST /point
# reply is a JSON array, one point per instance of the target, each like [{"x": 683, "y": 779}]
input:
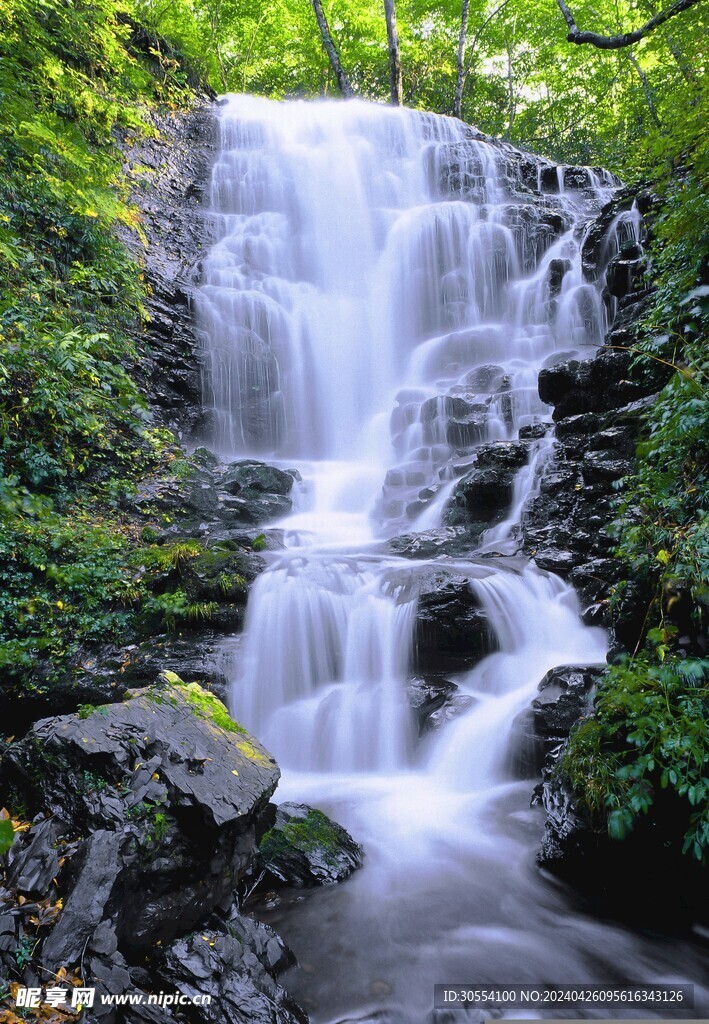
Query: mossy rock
[
  {"x": 305, "y": 848},
  {"x": 204, "y": 703},
  {"x": 221, "y": 574}
]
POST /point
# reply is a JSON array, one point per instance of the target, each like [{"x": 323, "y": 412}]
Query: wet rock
[
  {"x": 230, "y": 971},
  {"x": 430, "y": 543},
  {"x": 593, "y": 250},
  {"x": 452, "y": 629},
  {"x": 510, "y": 454},
  {"x": 556, "y": 560},
  {"x": 304, "y": 847},
  {"x": 485, "y": 379},
  {"x": 427, "y": 694},
  {"x": 534, "y": 431},
  {"x": 455, "y": 706},
  {"x": 485, "y": 492},
  {"x": 557, "y": 270},
  {"x": 566, "y": 694},
  {"x": 594, "y": 385},
  {"x": 625, "y": 272},
  {"x": 481, "y": 496}
]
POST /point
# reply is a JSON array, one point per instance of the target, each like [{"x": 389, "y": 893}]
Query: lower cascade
[{"x": 383, "y": 289}]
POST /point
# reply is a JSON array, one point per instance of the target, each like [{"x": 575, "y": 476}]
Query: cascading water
[{"x": 384, "y": 289}]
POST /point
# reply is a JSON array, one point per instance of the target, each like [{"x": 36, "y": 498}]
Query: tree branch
[{"x": 575, "y": 35}]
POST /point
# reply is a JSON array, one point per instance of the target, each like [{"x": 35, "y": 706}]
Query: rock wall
[{"x": 168, "y": 175}]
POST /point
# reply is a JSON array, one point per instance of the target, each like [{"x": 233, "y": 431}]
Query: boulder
[
  {"x": 304, "y": 847},
  {"x": 162, "y": 794},
  {"x": 238, "y": 973}
]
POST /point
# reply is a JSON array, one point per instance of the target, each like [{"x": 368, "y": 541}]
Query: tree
[
  {"x": 331, "y": 50},
  {"x": 396, "y": 86},
  {"x": 463, "y": 66},
  {"x": 460, "y": 79}
]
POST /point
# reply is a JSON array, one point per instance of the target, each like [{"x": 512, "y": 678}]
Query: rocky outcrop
[
  {"x": 164, "y": 796},
  {"x": 304, "y": 847},
  {"x": 565, "y": 527},
  {"x": 221, "y": 501}
]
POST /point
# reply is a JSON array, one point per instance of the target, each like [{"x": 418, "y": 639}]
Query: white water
[{"x": 381, "y": 297}]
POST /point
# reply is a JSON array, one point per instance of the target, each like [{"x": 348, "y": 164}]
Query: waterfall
[{"x": 385, "y": 286}]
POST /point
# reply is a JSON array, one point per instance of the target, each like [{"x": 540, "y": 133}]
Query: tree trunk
[
  {"x": 395, "y": 81},
  {"x": 460, "y": 80},
  {"x": 343, "y": 81},
  {"x": 512, "y": 109}
]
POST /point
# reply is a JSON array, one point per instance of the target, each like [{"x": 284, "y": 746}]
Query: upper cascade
[{"x": 386, "y": 285}]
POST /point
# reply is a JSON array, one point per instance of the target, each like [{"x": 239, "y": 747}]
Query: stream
[{"x": 384, "y": 287}]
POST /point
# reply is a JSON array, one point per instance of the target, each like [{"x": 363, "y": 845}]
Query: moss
[
  {"x": 254, "y": 753},
  {"x": 205, "y": 704},
  {"x": 313, "y": 834}
]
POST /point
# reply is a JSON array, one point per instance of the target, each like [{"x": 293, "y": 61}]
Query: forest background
[{"x": 76, "y": 433}]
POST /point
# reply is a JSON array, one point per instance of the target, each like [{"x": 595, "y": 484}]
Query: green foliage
[
  {"x": 64, "y": 580},
  {"x": 74, "y": 428},
  {"x": 24, "y": 951},
  {"x": 648, "y": 738}
]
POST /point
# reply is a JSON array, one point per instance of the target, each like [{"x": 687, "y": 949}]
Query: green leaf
[{"x": 7, "y": 835}]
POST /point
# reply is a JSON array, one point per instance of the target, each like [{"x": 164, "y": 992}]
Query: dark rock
[
  {"x": 557, "y": 270},
  {"x": 613, "y": 878},
  {"x": 482, "y": 495},
  {"x": 595, "y": 385},
  {"x": 232, "y": 973},
  {"x": 304, "y": 847},
  {"x": 485, "y": 492},
  {"x": 169, "y": 793},
  {"x": 625, "y": 271},
  {"x": 430, "y": 543},
  {"x": 534, "y": 431},
  {"x": 84, "y": 908},
  {"x": 594, "y": 249},
  {"x": 566, "y": 696},
  {"x": 172, "y": 241},
  {"x": 511, "y": 454},
  {"x": 248, "y": 476},
  {"x": 452, "y": 628},
  {"x": 33, "y": 860},
  {"x": 602, "y": 467},
  {"x": 555, "y": 560}
]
